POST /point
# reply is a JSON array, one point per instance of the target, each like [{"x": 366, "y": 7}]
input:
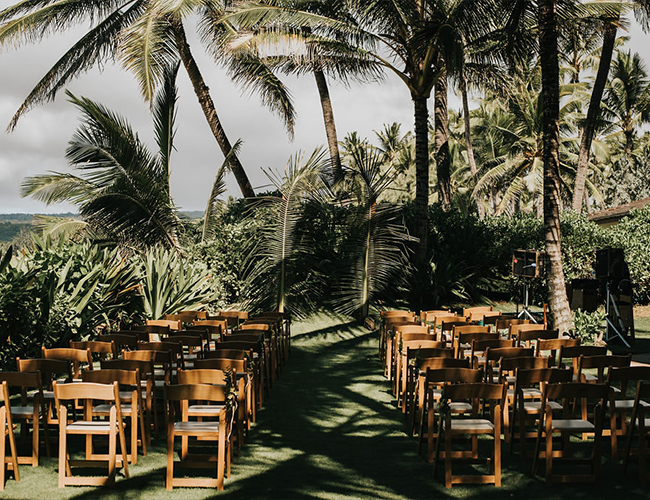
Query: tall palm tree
[
  {"x": 557, "y": 297},
  {"x": 406, "y": 38},
  {"x": 147, "y": 34},
  {"x": 123, "y": 190},
  {"x": 627, "y": 97}
]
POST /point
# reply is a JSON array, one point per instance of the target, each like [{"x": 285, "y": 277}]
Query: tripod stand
[
  {"x": 525, "y": 311},
  {"x": 615, "y": 325}
]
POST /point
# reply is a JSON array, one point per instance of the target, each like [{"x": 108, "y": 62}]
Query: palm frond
[{"x": 215, "y": 205}]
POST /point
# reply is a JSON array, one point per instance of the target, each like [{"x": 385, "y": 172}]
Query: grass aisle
[{"x": 330, "y": 429}]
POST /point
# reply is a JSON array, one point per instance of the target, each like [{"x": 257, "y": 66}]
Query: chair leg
[
  {"x": 169, "y": 483},
  {"x": 63, "y": 462},
  {"x": 112, "y": 449},
  {"x": 3, "y": 446}
]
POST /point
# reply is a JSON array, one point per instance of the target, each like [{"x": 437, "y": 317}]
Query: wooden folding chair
[
  {"x": 433, "y": 381},
  {"x": 621, "y": 404},
  {"x": 131, "y": 402},
  {"x": 463, "y": 336},
  {"x": 477, "y": 351},
  {"x": 515, "y": 329},
  {"x": 571, "y": 355},
  {"x": 103, "y": 349},
  {"x": 217, "y": 377},
  {"x": 453, "y": 425},
  {"x": 213, "y": 430},
  {"x": 29, "y": 415},
  {"x": 527, "y": 401},
  {"x": 493, "y": 355},
  {"x": 50, "y": 369},
  {"x": 6, "y": 423},
  {"x": 121, "y": 340},
  {"x": 530, "y": 338},
  {"x": 86, "y": 426},
  {"x": 80, "y": 358},
  {"x": 552, "y": 347},
  {"x": 414, "y": 353},
  {"x": 145, "y": 370},
  {"x": 641, "y": 424},
  {"x": 569, "y": 423},
  {"x": 477, "y": 310}
]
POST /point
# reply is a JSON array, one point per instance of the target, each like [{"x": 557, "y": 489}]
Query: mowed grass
[{"x": 330, "y": 429}]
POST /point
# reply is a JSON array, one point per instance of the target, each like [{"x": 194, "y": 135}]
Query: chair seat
[
  {"x": 628, "y": 404},
  {"x": 572, "y": 425},
  {"x": 529, "y": 393},
  {"x": 536, "y": 406},
  {"x": 85, "y": 426},
  {"x": 198, "y": 427},
  {"x": 22, "y": 411},
  {"x": 456, "y": 407},
  {"x": 471, "y": 425},
  {"x": 106, "y": 408},
  {"x": 205, "y": 409}
]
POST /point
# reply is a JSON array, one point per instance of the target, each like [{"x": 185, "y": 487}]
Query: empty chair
[
  {"x": 552, "y": 346},
  {"x": 102, "y": 349},
  {"x": 433, "y": 381},
  {"x": 132, "y": 405},
  {"x": 429, "y": 316},
  {"x": 213, "y": 427},
  {"x": 157, "y": 330},
  {"x": 620, "y": 404},
  {"x": 463, "y": 336},
  {"x": 494, "y": 354},
  {"x": 639, "y": 425},
  {"x": 29, "y": 415},
  {"x": 80, "y": 358},
  {"x": 530, "y": 382},
  {"x": 121, "y": 340},
  {"x": 447, "y": 327},
  {"x": 477, "y": 352},
  {"x": 454, "y": 426},
  {"x": 530, "y": 338},
  {"x": 503, "y": 323},
  {"x": 515, "y": 329},
  {"x": 571, "y": 354},
  {"x": 412, "y": 357},
  {"x": 468, "y": 311},
  {"x": 50, "y": 370},
  {"x": 87, "y": 393},
  {"x": 6, "y": 423},
  {"x": 172, "y": 324},
  {"x": 569, "y": 423}
]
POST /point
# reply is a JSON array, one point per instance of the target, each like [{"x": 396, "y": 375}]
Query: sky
[{"x": 38, "y": 143}]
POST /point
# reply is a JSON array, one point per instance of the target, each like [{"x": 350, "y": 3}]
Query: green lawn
[{"x": 330, "y": 429}]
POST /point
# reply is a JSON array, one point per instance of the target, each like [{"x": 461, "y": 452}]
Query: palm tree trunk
[
  {"x": 207, "y": 105},
  {"x": 609, "y": 38},
  {"x": 330, "y": 124},
  {"x": 557, "y": 297},
  {"x": 468, "y": 138},
  {"x": 442, "y": 142},
  {"x": 421, "y": 182}
]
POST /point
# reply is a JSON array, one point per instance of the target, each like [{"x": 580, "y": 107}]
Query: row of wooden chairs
[
  {"x": 524, "y": 376},
  {"x": 137, "y": 369}
]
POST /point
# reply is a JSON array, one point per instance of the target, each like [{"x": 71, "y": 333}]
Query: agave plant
[
  {"x": 123, "y": 190},
  {"x": 274, "y": 259},
  {"x": 377, "y": 255},
  {"x": 169, "y": 284}
]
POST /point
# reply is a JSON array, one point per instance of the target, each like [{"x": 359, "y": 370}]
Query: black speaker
[
  {"x": 528, "y": 263},
  {"x": 610, "y": 263},
  {"x": 584, "y": 294}
]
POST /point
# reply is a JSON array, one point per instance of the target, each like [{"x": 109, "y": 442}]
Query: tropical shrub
[
  {"x": 589, "y": 325},
  {"x": 633, "y": 234},
  {"x": 60, "y": 291}
]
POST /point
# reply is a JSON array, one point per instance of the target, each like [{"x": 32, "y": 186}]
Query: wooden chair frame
[
  {"x": 204, "y": 430},
  {"x": 6, "y": 423},
  {"x": 450, "y": 428},
  {"x": 113, "y": 428}
]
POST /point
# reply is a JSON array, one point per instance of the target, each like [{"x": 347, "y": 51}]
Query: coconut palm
[
  {"x": 273, "y": 267},
  {"x": 147, "y": 35},
  {"x": 610, "y": 27},
  {"x": 409, "y": 39},
  {"x": 376, "y": 255},
  {"x": 123, "y": 190},
  {"x": 627, "y": 97}
]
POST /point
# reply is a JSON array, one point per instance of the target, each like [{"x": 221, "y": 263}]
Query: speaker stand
[
  {"x": 525, "y": 311},
  {"x": 615, "y": 327}
]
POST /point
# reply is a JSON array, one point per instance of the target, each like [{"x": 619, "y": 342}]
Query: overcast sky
[{"x": 38, "y": 143}]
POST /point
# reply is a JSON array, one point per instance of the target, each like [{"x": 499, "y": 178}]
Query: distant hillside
[
  {"x": 192, "y": 214},
  {"x": 27, "y": 218},
  {"x": 9, "y": 230}
]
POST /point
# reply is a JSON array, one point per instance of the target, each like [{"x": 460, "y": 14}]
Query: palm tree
[
  {"x": 557, "y": 296},
  {"x": 376, "y": 241},
  {"x": 147, "y": 34},
  {"x": 123, "y": 190},
  {"x": 407, "y": 38},
  {"x": 272, "y": 268},
  {"x": 642, "y": 12},
  {"x": 627, "y": 97}
]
